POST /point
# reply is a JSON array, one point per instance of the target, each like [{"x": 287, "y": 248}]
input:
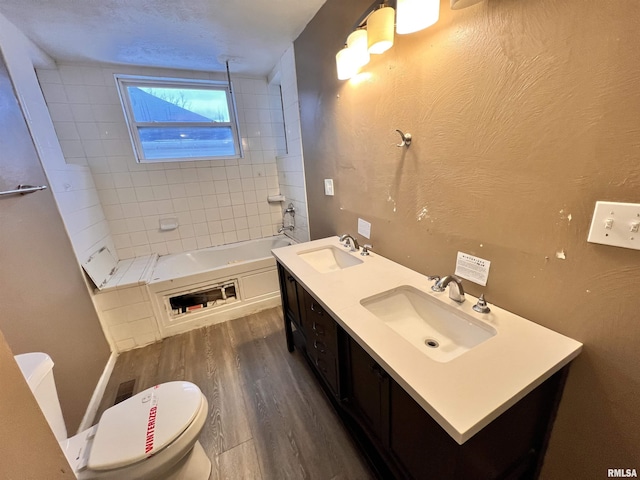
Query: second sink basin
[
  {"x": 440, "y": 331},
  {"x": 328, "y": 259}
]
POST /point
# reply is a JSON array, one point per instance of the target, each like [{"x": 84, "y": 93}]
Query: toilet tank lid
[
  {"x": 34, "y": 367},
  {"x": 144, "y": 424}
]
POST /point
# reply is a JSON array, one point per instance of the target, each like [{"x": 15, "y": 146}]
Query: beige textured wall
[{"x": 523, "y": 113}]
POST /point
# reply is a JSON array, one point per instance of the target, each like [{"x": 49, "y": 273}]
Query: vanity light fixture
[
  {"x": 415, "y": 15},
  {"x": 374, "y": 31},
  {"x": 357, "y": 43},
  {"x": 460, "y": 4},
  {"x": 376, "y": 28},
  {"x": 346, "y": 64},
  {"x": 380, "y": 30}
]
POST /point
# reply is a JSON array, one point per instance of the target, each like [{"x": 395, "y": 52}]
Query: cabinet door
[
  {"x": 368, "y": 391},
  {"x": 289, "y": 292},
  {"x": 510, "y": 447},
  {"x": 420, "y": 445}
]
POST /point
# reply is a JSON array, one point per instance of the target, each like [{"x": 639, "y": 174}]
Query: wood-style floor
[{"x": 268, "y": 418}]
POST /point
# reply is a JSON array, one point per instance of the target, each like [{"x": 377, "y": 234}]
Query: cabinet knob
[
  {"x": 319, "y": 346},
  {"x": 317, "y": 328},
  {"x": 378, "y": 371},
  {"x": 321, "y": 365},
  {"x": 316, "y": 309}
]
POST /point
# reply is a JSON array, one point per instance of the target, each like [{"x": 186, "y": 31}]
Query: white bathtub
[
  {"x": 180, "y": 265},
  {"x": 247, "y": 269}
]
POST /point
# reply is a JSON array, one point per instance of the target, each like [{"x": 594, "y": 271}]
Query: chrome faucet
[
  {"x": 456, "y": 291},
  {"x": 346, "y": 238},
  {"x": 283, "y": 228}
]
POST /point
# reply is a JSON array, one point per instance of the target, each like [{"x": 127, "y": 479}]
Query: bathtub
[{"x": 203, "y": 287}]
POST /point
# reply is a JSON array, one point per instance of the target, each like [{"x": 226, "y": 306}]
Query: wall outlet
[
  {"x": 328, "y": 186},
  {"x": 616, "y": 224}
]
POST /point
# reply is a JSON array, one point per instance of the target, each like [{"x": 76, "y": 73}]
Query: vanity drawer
[
  {"x": 325, "y": 363},
  {"x": 318, "y": 323}
]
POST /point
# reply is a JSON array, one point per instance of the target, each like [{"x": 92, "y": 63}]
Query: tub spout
[{"x": 283, "y": 228}]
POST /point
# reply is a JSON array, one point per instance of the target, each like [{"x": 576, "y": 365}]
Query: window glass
[
  {"x": 173, "y": 120},
  {"x": 186, "y": 142},
  {"x": 151, "y": 104}
]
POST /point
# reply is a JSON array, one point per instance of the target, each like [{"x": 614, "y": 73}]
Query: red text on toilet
[{"x": 151, "y": 428}]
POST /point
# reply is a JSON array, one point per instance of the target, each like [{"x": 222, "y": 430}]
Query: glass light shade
[
  {"x": 416, "y": 15},
  {"x": 380, "y": 30},
  {"x": 357, "y": 42},
  {"x": 346, "y": 64},
  {"x": 460, "y": 4}
]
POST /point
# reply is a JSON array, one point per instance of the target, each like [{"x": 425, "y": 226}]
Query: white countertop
[{"x": 463, "y": 395}]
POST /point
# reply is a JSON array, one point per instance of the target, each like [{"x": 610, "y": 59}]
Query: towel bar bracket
[{"x": 24, "y": 189}]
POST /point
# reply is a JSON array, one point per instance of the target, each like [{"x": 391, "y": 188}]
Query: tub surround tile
[
  {"x": 112, "y": 200},
  {"x": 291, "y": 186},
  {"x": 86, "y": 112},
  {"x": 124, "y": 306}
]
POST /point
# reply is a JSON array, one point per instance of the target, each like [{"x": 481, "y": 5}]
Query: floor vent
[{"x": 125, "y": 390}]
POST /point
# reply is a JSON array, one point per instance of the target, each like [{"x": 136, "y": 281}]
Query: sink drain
[{"x": 431, "y": 343}]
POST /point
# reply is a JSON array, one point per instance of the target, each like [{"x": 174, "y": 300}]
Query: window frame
[{"x": 124, "y": 81}]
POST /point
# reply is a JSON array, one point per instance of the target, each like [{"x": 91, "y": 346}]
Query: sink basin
[
  {"x": 438, "y": 330},
  {"x": 329, "y": 259}
]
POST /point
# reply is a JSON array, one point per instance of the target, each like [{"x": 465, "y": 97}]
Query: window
[{"x": 174, "y": 119}]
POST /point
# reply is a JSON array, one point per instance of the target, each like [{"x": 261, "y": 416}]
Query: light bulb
[
  {"x": 345, "y": 64},
  {"x": 357, "y": 42},
  {"x": 380, "y": 30},
  {"x": 416, "y": 15}
]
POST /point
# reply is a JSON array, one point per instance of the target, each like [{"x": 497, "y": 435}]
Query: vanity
[{"x": 427, "y": 387}]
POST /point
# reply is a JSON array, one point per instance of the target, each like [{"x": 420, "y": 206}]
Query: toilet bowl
[{"x": 152, "y": 435}]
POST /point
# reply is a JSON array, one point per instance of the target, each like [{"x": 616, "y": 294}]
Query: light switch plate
[
  {"x": 364, "y": 228},
  {"x": 616, "y": 224},
  {"x": 328, "y": 186}
]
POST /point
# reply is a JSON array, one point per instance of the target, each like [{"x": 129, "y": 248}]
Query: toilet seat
[{"x": 143, "y": 425}]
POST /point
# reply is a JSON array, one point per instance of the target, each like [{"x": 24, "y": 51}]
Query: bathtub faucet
[{"x": 283, "y": 228}]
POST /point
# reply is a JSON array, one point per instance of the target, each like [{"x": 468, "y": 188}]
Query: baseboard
[{"x": 98, "y": 393}]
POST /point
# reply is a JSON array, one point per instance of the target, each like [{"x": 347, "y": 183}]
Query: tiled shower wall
[
  {"x": 72, "y": 185},
  {"x": 291, "y": 165},
  {"x": 215, "y": 202}
]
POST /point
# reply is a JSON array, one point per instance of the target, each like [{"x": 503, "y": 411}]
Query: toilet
[{"x": 152, "y": 435}]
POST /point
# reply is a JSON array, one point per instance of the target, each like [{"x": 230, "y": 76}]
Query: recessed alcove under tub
[{"x": 207, "y": 286}]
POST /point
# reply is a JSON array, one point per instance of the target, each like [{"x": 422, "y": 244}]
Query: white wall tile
[
  {"x": 133, "y": 195},
  {"x": 292, "y": 186}
]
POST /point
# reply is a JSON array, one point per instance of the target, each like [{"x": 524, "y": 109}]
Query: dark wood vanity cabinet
[
  {"x": 413, "y": 445},
  {"x": 311, "y": 329},
  {"x": 397, "y": 436}
]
